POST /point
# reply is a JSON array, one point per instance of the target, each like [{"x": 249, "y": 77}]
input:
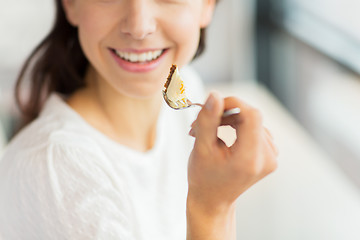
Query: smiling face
[{"x": 131, "y": 44}]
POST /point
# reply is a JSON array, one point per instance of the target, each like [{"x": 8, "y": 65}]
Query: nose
[{"x": 139, "y": 20}]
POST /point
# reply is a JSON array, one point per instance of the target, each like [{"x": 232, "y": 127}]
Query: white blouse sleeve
[{"x": 64, "y": 192}]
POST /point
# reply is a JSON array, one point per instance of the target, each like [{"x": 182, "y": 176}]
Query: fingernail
[{"x": 209, "y": 104}]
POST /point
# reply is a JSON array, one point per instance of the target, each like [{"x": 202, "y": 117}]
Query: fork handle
[
  {"x": 230, "y": 112},
  {"x": 196, "y": 104},
  {"x": 226, "y": 113}
]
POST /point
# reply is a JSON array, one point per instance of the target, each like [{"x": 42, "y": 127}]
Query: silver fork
[{"x": 179, "y": 105}]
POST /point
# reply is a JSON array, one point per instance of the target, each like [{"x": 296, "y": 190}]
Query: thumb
[{"x": 209, "y": 119}]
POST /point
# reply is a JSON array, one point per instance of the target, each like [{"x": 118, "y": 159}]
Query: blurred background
[{"x": 299, "y": 62}]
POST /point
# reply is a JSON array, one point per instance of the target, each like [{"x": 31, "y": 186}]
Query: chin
[{"x": 142, "y": 92}]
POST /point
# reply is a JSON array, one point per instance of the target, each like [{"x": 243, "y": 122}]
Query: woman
[{"x": 101, "y": 158}]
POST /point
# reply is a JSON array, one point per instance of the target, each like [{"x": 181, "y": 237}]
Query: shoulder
[
  {"x": 49, "y": 156},
  {"x": 53, "y": 166},
  {"x": 56, "y": 143},
  {"x": 57, "y": 126},
  {"x": 48, "y": 153}
]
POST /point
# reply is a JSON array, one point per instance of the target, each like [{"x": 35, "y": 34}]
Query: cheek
[
  {"x": 92, "y": 28},
  {"x": 184, "y": 30}
]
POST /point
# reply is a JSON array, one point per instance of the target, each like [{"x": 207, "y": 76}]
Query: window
[
  {"x": 331, "y": 26},
  {"x": 308, "y": 55}
]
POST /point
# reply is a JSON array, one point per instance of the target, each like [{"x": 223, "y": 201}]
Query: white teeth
[
  {"x": 149, "y": 55},
  {"x": 143, "y": 57},
  {"x": 133, "y": 57}
]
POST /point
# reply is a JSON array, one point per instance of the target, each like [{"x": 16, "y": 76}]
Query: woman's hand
[{"x": 218, "y": 174}]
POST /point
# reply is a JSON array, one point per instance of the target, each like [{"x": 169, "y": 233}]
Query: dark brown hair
[{"x": 57, "y": 64}]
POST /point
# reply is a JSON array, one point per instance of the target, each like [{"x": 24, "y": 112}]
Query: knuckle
[
  {"x": 256, "y": 115},
  {"x": 273, "y": 165},
  {"x": 252, "y": 169},
  {"x": 201, "y": 124},
  {"x": 203, "y": 114},
  {"x": 237, "y": 101},
  {"x": 201, "y": 121},
  {"x": 258, "y": 168},
  {"x": 232, "y": 99},
  {"x": 203, "y": 149}
]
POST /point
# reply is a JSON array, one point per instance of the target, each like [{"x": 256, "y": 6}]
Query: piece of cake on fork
[{"x": 175, "y": 89}]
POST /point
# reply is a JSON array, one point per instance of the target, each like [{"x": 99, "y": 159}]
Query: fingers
[
  {"x": 253, "y": 153},
  {"x": 232, "y": 120},
  {"x": 268, "y": 133},
  {"x": 248, "y": 124},
  {"x": 270, "y": 164},
  {"x": 270, "y": 140},
  {"x": 247, "y": 113},
  {"x": 204, "y": 117},
  {"x": 251, "y": 134},
  {"x": 205, "y": 127}
]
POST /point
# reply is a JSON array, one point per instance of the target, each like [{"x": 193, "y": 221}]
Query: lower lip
[{"x": 138, "y": 67}]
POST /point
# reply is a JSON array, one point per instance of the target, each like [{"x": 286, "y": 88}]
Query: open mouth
[{"x": 144, "y": 57}]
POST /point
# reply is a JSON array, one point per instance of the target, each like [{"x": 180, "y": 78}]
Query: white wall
[
  {"x": 229, "y": 55},
  {"x": 23, "y": 24}
]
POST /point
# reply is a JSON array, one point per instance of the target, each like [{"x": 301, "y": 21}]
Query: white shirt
[{"x": 62, "y": 179}]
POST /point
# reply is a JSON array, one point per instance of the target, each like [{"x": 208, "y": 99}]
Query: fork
[{"x": 179, "y": 105}]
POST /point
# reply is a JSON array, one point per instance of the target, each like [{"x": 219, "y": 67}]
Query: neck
[{"x": 129, "y": 121}]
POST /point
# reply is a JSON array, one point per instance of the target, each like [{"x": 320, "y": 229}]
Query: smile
[
  {"x": 139, "y": 61},
  {"x": 139, "y": 57}
]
